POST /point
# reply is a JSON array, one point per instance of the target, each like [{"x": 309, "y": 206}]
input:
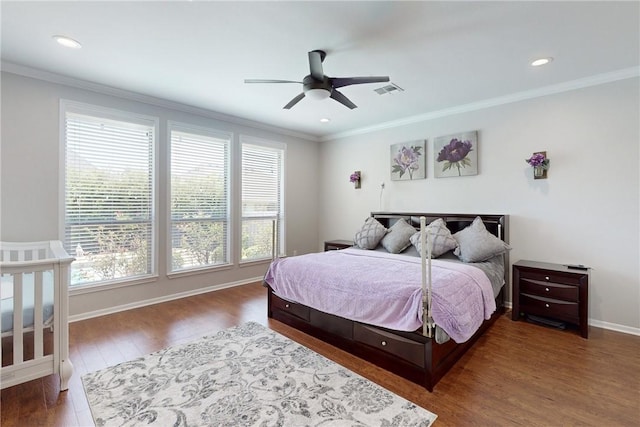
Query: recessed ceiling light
[
  {"x": 67, "y": 42},
  {"x": 325, "y": 120},
  {"x": 541, "y": 61}
]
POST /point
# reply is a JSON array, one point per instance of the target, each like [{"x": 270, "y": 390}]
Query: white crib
[{"x": 34, "y": 296}]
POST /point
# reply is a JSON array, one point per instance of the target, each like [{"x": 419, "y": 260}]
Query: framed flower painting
[
  {"x": 456, "y": 155},
  {"x": 408, "y": 161}
]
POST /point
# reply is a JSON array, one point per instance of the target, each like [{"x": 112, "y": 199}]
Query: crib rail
[{"x": 24, "y": 266}]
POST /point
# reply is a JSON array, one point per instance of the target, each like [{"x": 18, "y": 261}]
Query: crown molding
[
  {"x": 50, "y": 77},
  {"x": 625, "y": 73}
]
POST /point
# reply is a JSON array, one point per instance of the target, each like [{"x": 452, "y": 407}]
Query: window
[
  {"x": 199, "y": 198},
  {"x": 109, "y": 198},
  {"x": 262, "y": 201}
]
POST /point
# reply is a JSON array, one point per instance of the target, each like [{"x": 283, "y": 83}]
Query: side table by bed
[
  {"x": 334, "y": 245},
  {"x": 552, "y": 291}
]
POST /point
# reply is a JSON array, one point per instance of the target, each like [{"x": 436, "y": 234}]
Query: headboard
[{"x": 495, "y": 224}]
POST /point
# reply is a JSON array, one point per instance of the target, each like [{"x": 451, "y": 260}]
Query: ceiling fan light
[{"x": 318, "y": 94}]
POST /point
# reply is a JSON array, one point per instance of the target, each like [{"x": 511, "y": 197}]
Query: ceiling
[{"x": 443, "y": 54}]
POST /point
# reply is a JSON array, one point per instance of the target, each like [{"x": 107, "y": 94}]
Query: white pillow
[
  {"x": 398, "y": 237},
  {"x": 476, "y": 244},
  {"x": 441, "y": 239},
  {"x": 370, "y": 234}
]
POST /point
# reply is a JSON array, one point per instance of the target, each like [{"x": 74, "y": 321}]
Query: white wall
[
  {"x": 587, "y": 211},
  {"x": 31, "y": 196}
]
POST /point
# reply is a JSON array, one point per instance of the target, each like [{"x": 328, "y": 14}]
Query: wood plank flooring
[{"x": 517, "y": 373}]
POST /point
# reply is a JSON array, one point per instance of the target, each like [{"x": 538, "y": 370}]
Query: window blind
[
  {"x": 109, "y": 197},
  {"x": 262, "y": 204},
  {"x": 199, "y": 199}
]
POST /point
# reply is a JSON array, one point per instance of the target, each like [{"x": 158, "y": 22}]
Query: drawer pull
[
  {"x": 286, "y": 305},
  {"x": 546, "y": 289},
  {"x": 546, "y": 277},
  {"x": 384, "y": 343},
  {"x": 546, "y": 305}
]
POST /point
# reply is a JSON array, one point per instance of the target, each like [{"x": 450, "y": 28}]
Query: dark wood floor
[{"x": 517, "y": 373}]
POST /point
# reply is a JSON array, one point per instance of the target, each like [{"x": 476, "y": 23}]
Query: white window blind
[
  {"x": 199, "y": 198},
  {"x": 109, "y": 197},
  {"x": 262, "y": 201}
]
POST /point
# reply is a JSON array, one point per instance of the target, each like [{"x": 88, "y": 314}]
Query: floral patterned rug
[{"x": 244, "y": 376}]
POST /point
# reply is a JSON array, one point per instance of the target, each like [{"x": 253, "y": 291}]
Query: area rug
[{"x": 244, "y": 376}]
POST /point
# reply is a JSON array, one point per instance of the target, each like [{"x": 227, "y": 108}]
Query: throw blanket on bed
[{"x": 385, "y": 290}]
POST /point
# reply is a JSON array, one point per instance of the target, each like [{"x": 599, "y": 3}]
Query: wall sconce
[
  {"x": 355, "y": 178},
  {"x": 540, "y": 164}
]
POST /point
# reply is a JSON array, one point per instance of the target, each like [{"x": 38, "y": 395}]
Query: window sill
[
  {"x": 254, "y": 262},
  {"x": 197, "y": 271},
  {"x": 87, "y": 289}
]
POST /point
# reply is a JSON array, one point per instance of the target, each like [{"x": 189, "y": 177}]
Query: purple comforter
[{"x": 385, "y": 290}]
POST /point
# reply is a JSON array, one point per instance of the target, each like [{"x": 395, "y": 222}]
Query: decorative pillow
[
  {"x": 441, "y": 239},
  {"x": 398, "y": 237},
  {"x": 476, "y": 244},
  {"x": 370, "y": 234}
]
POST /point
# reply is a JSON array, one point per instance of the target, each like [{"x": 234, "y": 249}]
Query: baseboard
[
  {"x": 97, "y": 313},
  {"x": 614, "y": 327},
  {"x": 158, "y": 300}
]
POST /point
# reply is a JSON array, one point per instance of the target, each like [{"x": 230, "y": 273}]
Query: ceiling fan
[{"x": 317, "y": 85}]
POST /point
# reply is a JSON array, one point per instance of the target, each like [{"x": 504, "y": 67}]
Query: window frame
[
  {"x": 281, "y": 216},
  {"x": 74, "y": 107},
  {"x": 207, "y": 132}
]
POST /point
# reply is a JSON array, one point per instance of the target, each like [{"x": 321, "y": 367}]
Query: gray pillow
[
  {"x": 398, "y": 237},
  {"x": 476, "y": 244},
  {"x": 441, "y": 239},
  {"x": 370, "y": 234}
]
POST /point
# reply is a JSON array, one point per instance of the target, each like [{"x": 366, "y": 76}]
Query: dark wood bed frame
[{"x": 409, "y": 354}]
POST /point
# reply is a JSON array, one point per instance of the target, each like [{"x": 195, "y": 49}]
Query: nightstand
[
  {"x": 551, "y": 291},
  {"x": 333, "y": 245}
]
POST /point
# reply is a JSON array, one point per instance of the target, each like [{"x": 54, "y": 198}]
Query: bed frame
[
  {"x": 26, "y": 352},
  {"x": 409, "y": 354}
]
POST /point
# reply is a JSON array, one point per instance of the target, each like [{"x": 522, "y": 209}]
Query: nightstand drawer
[
  {"x": 549, "y": 289},
  {"x": 563, "y": 310},
  {"x": 552, "y": 277}
]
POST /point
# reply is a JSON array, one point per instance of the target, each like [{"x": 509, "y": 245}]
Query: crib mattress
[{"x": 28, "y": 291}]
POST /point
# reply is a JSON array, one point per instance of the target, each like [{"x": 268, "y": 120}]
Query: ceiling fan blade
[
  {"x": 268, "y": 81},
  {"x": 338, "y": 96},
  {"x": 347, "y": 81},
  {"x": 294, "y": 101},
  {"x": 315, "y": 64}
]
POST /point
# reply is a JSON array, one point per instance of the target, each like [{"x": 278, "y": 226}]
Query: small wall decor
[
  {"x": 540, "y": 164},
  {"x": 456, "y": 155},
  {"x": 355, "y": 178},
  {"x": 408, "y": 161}
]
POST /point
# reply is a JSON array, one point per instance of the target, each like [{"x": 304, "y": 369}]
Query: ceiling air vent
[{"x": 390, "y": 88}]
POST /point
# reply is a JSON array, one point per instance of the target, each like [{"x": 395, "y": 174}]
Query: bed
[
  {"x": 413, "y": 345},
  {"x": 34, "y": 312}
]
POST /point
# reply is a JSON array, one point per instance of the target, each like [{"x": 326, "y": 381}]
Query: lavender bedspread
[{"x": 385, "y": 289}]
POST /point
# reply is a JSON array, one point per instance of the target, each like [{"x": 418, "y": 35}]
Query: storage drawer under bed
[
  {"x": 411, "y": 351},
  {"x": 289, "y": 307}
]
